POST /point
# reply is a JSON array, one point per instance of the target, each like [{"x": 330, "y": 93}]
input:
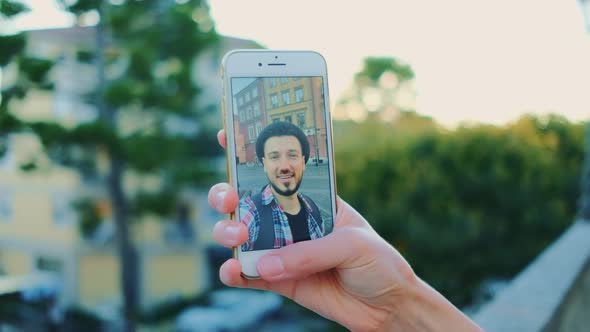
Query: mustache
[{"x": 286, "y": 172}]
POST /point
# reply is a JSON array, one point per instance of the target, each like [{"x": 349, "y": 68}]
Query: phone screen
[{"x": 282, "y": 160}]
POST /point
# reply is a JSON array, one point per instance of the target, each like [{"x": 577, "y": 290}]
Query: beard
[{"x": 287, "y": 192}]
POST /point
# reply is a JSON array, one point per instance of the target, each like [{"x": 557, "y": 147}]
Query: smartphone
[{"x": 279, "y": 149}]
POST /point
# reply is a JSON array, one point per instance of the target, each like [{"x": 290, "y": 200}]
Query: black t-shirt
[{"x": 298, "y": 225}]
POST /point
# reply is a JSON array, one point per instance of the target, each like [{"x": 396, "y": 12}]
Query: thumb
[{"x": 302, "y": 259}]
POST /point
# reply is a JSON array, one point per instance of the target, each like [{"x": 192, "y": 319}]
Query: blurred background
[{"x": 459, "y": 134}]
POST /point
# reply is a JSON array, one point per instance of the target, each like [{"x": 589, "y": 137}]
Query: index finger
[{"x": 221, "y": 138}]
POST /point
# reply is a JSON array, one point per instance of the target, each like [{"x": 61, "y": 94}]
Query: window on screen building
[
  {"x": 274, "y": 100},
  {"x": 286, "y": 97},
  {"x": 298, "y": 94},
  {"x": 301, "y": 120},
  {"x": 251, "y": 135}
]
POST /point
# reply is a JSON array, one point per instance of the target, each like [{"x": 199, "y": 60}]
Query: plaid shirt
[{"x": 250, "y": 217}]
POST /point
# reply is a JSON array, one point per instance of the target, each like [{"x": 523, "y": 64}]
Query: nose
[{"x": 284, "y": 164}]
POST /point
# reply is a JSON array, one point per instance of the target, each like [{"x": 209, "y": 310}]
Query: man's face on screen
[{"x": 283, "y": 164}]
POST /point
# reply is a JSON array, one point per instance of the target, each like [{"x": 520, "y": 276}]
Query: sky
[{"x": 475, "y": 61}]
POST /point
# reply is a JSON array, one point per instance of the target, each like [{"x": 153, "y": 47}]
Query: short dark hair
[{"x": 281, "y": 128}]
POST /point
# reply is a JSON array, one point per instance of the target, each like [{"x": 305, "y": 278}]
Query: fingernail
[
  {"x": 271, "y": 267},
  {"x": 232, "y": 232},
  {"x": 220, "y": 199},
  {"x": 224, "y": 276}
]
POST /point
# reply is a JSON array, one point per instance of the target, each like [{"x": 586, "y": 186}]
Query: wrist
[{"x": 421, "y": 308}]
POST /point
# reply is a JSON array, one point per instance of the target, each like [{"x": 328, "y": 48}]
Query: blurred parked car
[{"x": 230, "y": 310}]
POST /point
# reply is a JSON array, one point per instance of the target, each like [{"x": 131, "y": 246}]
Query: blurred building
[
  {"x": 39, "y": 233},
  {"x": 39, "y": 227}
]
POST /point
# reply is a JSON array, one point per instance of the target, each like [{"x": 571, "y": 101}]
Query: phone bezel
[{"x": 270, "y": 63}]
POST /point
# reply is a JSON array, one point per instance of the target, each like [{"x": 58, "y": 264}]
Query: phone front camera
[{"x": 260, "y": 64}]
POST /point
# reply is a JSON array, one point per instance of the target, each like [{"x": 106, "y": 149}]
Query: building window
[
  {"x": 274, "y": 100},
  {"x": 254, "y": 92},
  {"x": 247, "y": 97},
  {"x": 256, "y": 107},
  {"x": 272, "y": 82},
  {"x": 61, "y": 205},
  {"x": 286, "y": 97},
  {"x": 258, "y": 128},
  {"x": 248, "y": 113},
  {"x": 5, "y": 206},
  {"x": 298, "y": 94},
  {"x": 251, "y": 135},
  {"x": 241, "y": 114},
  {"x": 301, "y": 120},
  {"x": 284, "y": 80},
  {"x": 49, "y": 264},
  {"x": 240, "y": 101},
  {"x": 289, "y": 118},
  {"x": 275, "y": 120}
]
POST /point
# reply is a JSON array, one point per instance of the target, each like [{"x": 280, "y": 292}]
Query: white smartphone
[{"x": 279, "y": 148}]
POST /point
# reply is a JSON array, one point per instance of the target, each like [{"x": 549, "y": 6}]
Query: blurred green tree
[
  {"x": 26, "y": 72},
  {"x": 468, "y": 205},
  {"x": 381, "y": 91},
  {"x": 148, "y": 123}
]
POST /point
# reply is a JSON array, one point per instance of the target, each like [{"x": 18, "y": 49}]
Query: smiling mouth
[{"x": 286, "y": 178}]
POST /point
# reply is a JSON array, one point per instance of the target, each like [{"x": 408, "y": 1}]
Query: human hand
[{"x": 351, "y": 276}]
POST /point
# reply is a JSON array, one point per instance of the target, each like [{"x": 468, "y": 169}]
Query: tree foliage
[
  {"x": 147, "y": 120},
  {"x": 381, "y": 91},
  {"x": 466, "y": 205},
  {"x": 374, "y": 67},
  {"x": 30, "y": 72},
  {"x": 151, "y": 47},
  {"x": 12, "y": 8}
]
